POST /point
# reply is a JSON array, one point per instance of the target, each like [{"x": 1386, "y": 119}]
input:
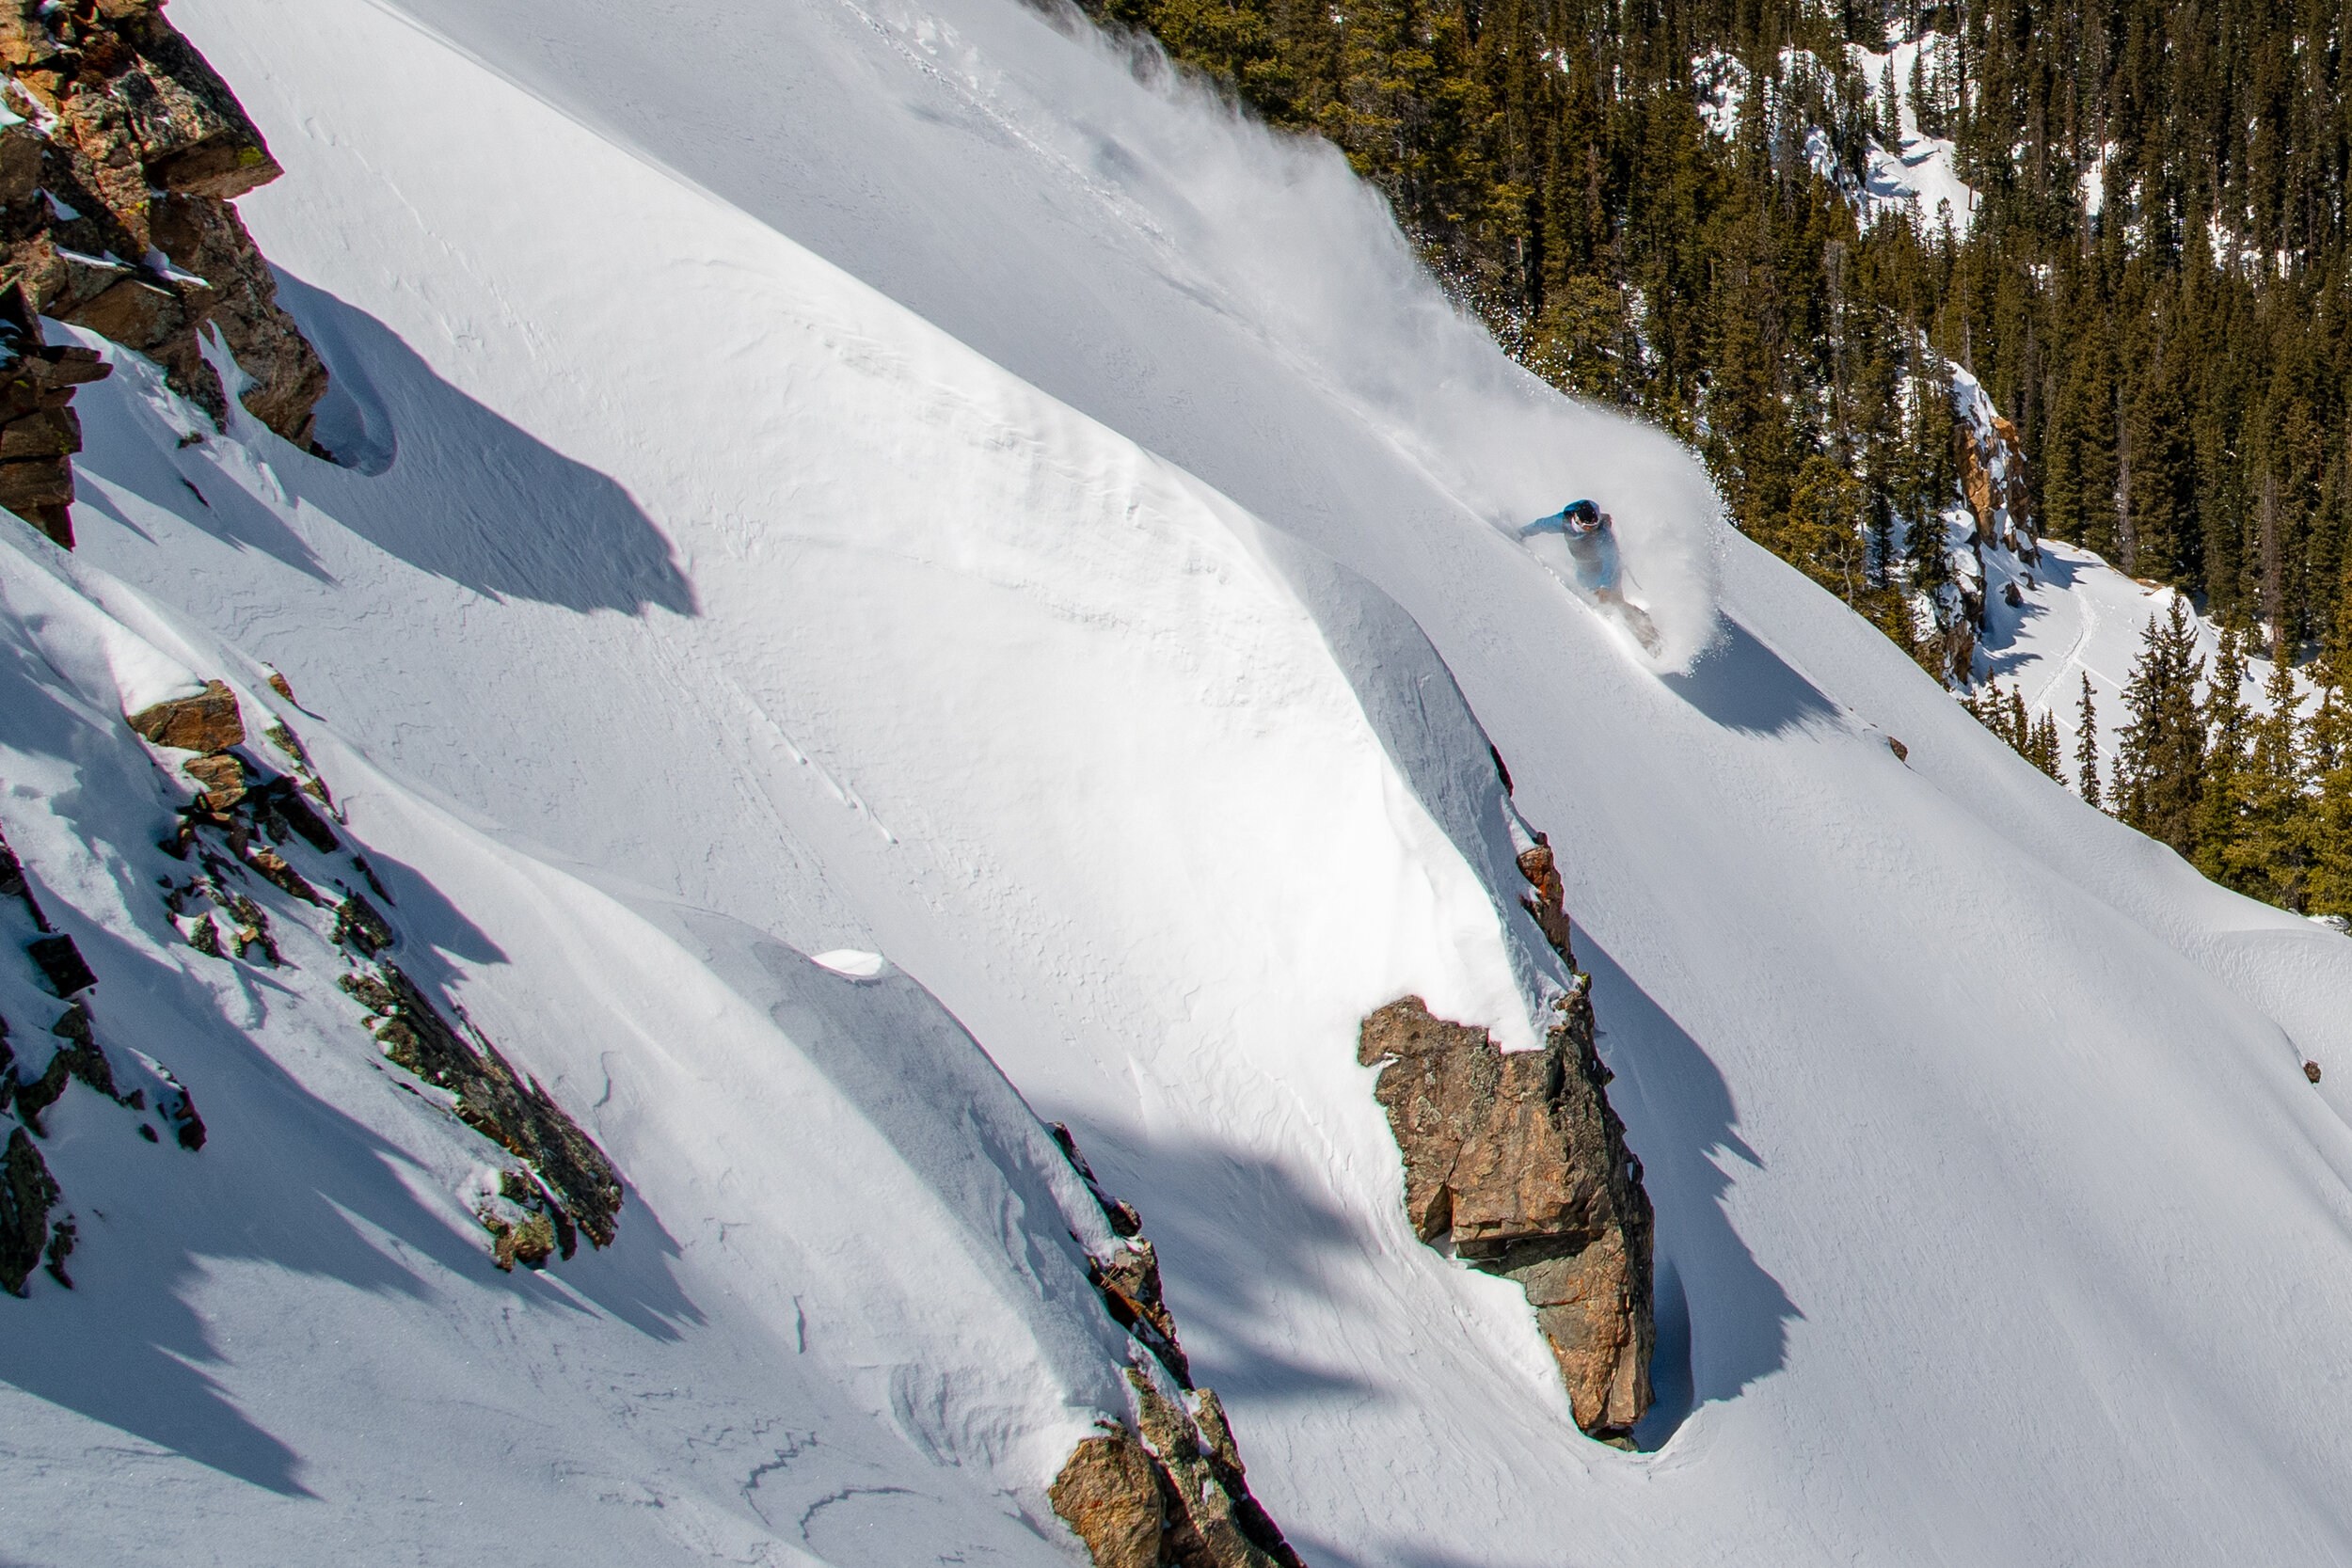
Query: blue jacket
[{"x": 1594, "y": 550}]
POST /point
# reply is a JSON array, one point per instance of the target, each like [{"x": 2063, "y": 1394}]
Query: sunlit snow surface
[{"x": 831, "y": 479}]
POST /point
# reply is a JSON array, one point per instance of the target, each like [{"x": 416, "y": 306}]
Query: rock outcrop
[
  {"x": 245, "y": 824},
  {"x": 27, "y": 1193},
  {"x": 1518, "y": 1161},
  {"x": 137, "y": 1082},
  {"x": 120, "y": 156},
  {"x": 1169, "y": 1489},
  {"x": 1109, "y": 1493},
  {"x": 209, "y": 721},
  {"x": 571, "y": 1187}
]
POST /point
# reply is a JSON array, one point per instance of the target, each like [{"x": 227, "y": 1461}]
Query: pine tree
[
  {"x": 2221, "y": 807},
  {"x": 2272, "y": 856},
  {"x": 2087, "y": 745},
  {"x": 2328, "y": 887},
  {"x": 2045, "y": 754},
  {"x": 2160, "y": 773},
  {"x": 2183, "y": 412}
]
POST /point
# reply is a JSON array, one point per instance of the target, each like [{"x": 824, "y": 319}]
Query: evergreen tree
[
  {"x": 2227, "y": 721},
  {"x": 2087, "y": 745},
  {"x": 2271, "y": 858},
  {"x": 2178, "y": 364},
  {"x": 2044, "y": 752},
  {"x": 2160, "y": 773}
]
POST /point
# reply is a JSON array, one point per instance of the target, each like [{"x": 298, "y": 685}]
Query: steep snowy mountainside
[
  {"x": 822, "y": 1287},
  {"x": 830, "y": 477},
  {"x": 1239, "y": 304},
  {"x": 1089, "y": 628}
]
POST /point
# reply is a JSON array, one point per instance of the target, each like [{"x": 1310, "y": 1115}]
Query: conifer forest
[{"x": 1668, "y": 205}]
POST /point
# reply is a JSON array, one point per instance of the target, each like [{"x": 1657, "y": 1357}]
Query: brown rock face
[
  {"x": 1177, "y": 1499},
  {"x": 208, "y": 722},
  {"x": 1180, "y": 1496},
  {"x": 1546, "y": 898},
  {"x": 1109, "y": 1493},
  {"x": 115, "y": 216},
  {"x": 222, "y": 776},
  {"x": 1520, "y": 1160},
  {"x": 206, "y": 237},
  {"x": 1994, "y": 478}
]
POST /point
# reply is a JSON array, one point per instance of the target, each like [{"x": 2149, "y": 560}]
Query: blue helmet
[{"x": 1582, "y": 514}]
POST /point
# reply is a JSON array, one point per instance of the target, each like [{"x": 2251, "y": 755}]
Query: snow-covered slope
[{"x": 833, "y": 477}]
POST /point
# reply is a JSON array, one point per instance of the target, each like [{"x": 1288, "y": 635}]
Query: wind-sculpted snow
[
  {"x": 1233, "y": 300},
  {"x": 833, "y": 482}
]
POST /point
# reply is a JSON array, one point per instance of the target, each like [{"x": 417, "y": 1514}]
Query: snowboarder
[
  {"x": 1592, "y": 545},
  {"x": 1591, "y": 541}
]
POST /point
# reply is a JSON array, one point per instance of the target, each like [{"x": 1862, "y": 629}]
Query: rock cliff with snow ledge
[{"x": 120, "y": 150}]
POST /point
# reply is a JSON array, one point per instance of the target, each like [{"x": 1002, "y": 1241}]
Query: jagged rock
[
  {"x": 27, "y": 1193},
  {"x": 1129, "y": 1283},
  {"x": 39, "y": 433},
  {"x": 114, "y": 215},
  {"x": 359, "y": 926},
  {"x": 1128, "y": 1279},
  {"x": 61, "y": 964},
  {"x": 39, "y": 491},
  {"x": 2311, "y": 1071},
  {"x": 62, "y": 1234},
  {"x": 207, "y": 238},
  {"x": 497, "y": 1101},
  {"x": 35, "y": 1095},
  {"x": 1520, "y": 1160},
  {"x": 279, "y": 872},
  {"x": 1224, "y": 1456},
  {"x": 1180, "y": 1496},
  {"x": 205, "y": 938},
  {"x": 1547, "y": 898},
  {"x": 87, "y": 1060},
  {"x": 12, "y": 875},
  {"x": 530, "y": 1243},
  {"x": 281, "y": 804},
  {"x": 1109, "y": 1493},
  {"x": 1176, "y": 1497},
  {"x": 1208, "y": 1526},
  {"x": 1122, "y": 1218},
  {"x": 222, "y": 777},
  {"x": 208, "y": 722}
]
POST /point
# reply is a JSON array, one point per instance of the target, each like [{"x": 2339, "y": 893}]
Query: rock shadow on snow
[
  {"x": 1742, "y": 685},
  {"x": 425, "y": 473},
  {"x": 1723, "y": 1320},
  {"x": 285, "y": 1179},
  {"x": 1265, "y": 1235},
  {"x": 1997, "y": 639}
]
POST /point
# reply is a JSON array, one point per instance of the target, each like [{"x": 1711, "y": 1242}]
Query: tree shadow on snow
[
  {"x": 1742, "y": 685},
  {"x": 423, "y": 471},
  {"x": 1723, "y": 1321},
  {"x": 1998, "y": 640},
  {"x": 285, "y": 1181}
]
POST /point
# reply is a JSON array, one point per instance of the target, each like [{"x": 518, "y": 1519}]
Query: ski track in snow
[{"x": 783, "y": 420}]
